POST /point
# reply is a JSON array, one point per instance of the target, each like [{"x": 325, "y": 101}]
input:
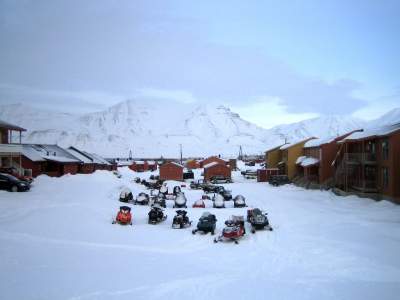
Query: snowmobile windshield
[
  {"x": 180, "y": 199},
  {"x": 125, "y": 208}
]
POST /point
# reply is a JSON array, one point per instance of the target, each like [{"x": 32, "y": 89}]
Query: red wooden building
[
  {"x": 192, "y": 164},
  {"x": 51, "y": 160},
  {"x": 318, "y": 154},
  {"x": 216, "y": 169},
  {"x": 87, "y": 165},
  {"x": 368, "y": 163},
  {"x": 171, "y": 171},
  {"x": 139, "y": 166},
  {"x": 212, "y": 159},
  {"x": 263, "y": 175}
]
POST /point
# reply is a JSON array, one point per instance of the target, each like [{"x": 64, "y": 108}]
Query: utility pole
[
  {"x": 130, "y": 154},
  {"x": 240, "y": 153},
  {"x": 180, "y": 146}
]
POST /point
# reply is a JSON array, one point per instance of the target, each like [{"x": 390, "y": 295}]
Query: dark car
[
  {"x": 14, "y": 172},
  {"x": 13, "y": 184},
  {"x": 197, "y": 185},
  {"x": 277, "y": 180},
  {"x": 188, "y": 175},
  {"x": 220, "y": 179}
]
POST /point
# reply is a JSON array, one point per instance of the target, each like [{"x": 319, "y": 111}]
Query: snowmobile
[
  {"x": 142, "y": 199},
  {"x": 258, "y": 220},
  {"x": 160, "y": 200},
  {"x": 234, "y": 230},
  {"x": 125, "y": 195},
  {"x": 199, "y": 204},
  {"x": 137, "y": 180},
  {"x": 239, "y": 201},
  {"x": 205, "y": 197},
  {"x": 218, "y": 201},
  {"x": 156, "y": 215},
  {"x": 207, "y": 223},
  {"x": 164, "y": 189},
  {"x": 118, "y": 174},
  {"x": 180, "y": 201},
  {"x": 227, "y": 194},
  {"x": 124, "y": 216},
  {"x": 177, "y": 190},
  {"x": 181, "y": 220}
]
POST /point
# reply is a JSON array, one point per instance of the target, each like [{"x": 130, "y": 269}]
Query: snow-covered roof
[
  {"x": 4, "y": 124},
  {"x": 151, "y": 162},
  {"x": 98, "y": 159},
  {"x": 373, "y": 132},
  {"x": 174, "y": 163},
  {"x": 287, "y": 146},
  {"x": 79, "y": 155},
  {"x": 139, "y": 162},
  {"x": 60, "y": 158},
  {"x": 31, "y": 154},
  {"x": 275, "y": 148},
  {"x": 7, "y": 148},
  {"x": 300, "y": 159},
  {"x": 41, "y": 152},
  {"x": 318, "y": 142},
  {"x": 306, "y": 161},
  {"x": 211, "y": 164}
]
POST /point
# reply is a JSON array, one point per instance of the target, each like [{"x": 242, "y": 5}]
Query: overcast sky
[{"x": 272, "y": 61}]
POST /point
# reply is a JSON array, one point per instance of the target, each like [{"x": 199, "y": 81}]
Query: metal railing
[{"x": 360, "y": 157}]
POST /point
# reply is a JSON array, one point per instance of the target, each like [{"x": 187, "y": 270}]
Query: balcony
[
  {"x": 360, "y": 158},
  {"x": 366, "y": 186}
]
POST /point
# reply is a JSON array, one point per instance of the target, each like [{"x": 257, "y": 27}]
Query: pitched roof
[
  {"x": 80, "y": 155},
  {"x": 373, "y": 132},
  {"x": 4, "y": 124},
  {"x": 174, "y": 163},
  {"x": 211, "y": 164},
  {"x": 41, "y": 152},
  {"x": 275, "y": 148},
  {"x": 287, "y": 146}
]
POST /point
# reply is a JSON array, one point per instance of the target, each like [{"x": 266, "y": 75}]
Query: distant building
[
  {"x": 216, "y": 169},
  {"x": 171, "y": 171}
]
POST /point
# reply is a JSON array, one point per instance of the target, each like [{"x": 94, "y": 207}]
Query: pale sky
[{"x": 272, "y": 62}]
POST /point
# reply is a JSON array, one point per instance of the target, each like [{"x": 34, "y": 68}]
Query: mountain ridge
[{"x": 157, "y": 129}]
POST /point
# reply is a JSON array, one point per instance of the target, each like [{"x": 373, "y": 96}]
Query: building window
[
  {"x": 385, "y": 177},
  {"x": 385, "y": 149}
]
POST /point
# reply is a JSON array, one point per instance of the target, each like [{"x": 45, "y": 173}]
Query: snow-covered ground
[{"x": 57, "y": 242}]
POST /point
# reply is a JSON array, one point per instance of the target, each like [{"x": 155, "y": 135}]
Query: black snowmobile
[
  {"x": 258, "y": 220},
  {"x": 142, "y": 199},
  {"x": 156, "y": 215},
  {"x": 160, "y": 200},
  {"x": 177, "y": 190},
  {"x": 181, "y": 220},
  {"x": 207, "y": 223},
  {"x": 239, "y": 201},
  {"x": 180, "y": 201},
  {"x": 125, "y": 195}
]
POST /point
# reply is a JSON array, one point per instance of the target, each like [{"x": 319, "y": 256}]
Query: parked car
[
  {"x": 249, "y": 174},
  {"x": 188, "y": 174},
  {"x": 14, "y": 172},
  {"x": 277, "y": 180},
  {"x": 220, "y": 179},
  {"x": 13, "y": 184},
  {"x": 197, "y": 184}
]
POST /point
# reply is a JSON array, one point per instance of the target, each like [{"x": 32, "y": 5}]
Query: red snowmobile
[
  {"x": 124, "y": 216},
  {"x": 199, "y": 204},
  {"x": 234, "y": 230}
]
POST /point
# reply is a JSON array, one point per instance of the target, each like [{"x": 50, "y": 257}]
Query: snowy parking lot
[{"x": 57, "y": 242}]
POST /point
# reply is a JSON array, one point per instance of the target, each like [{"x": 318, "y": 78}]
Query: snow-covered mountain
[{"x": 156, "y": 129}]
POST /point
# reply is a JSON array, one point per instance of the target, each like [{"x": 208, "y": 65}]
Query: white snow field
[{"x": 57, "y": 242}]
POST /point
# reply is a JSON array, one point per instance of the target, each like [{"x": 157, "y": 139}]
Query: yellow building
[
  {"x": 273, "y": 156},
  {"x": 289, "y": 154}
]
